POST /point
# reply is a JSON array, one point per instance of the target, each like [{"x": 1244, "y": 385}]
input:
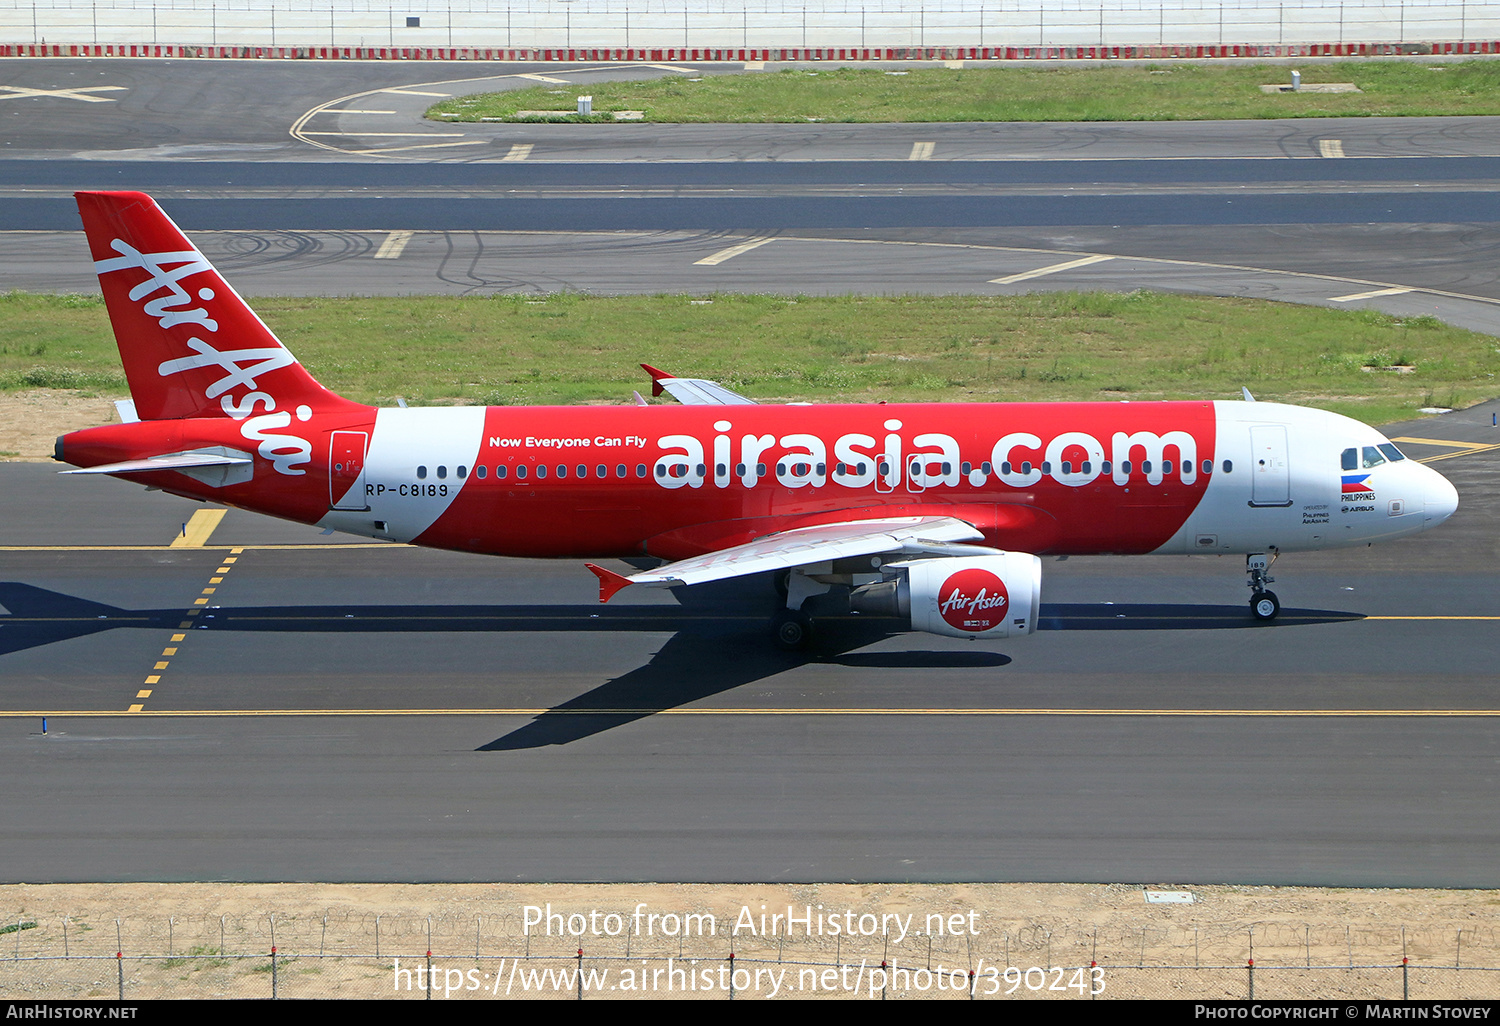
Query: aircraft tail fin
[{"x": 191, "y": 346}]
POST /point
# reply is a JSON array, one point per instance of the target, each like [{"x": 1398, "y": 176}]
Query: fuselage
[{"x": 677, "y": 481}]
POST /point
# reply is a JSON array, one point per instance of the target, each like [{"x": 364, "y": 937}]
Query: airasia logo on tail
[
  {"x": 189, "y": 262},
  {"x": 285, "y": 451},
  {"x": 973, "y": 600}
]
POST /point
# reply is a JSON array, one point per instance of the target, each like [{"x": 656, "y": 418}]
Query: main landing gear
[
  {"x": 793, "y": 630},
  {"x": 791, "y": 627},
  {"x": 1263, "y": 604}
]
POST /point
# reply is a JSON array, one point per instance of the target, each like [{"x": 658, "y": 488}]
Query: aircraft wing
[
  {"x": 693, "y": 391},
  {"x": 173, "y": 461},
  {"x": 907, "y": 536}
]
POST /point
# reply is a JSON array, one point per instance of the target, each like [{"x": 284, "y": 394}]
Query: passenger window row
[
  {"x": 562, "y": 470},
  {"x": 621, "y": 471}
]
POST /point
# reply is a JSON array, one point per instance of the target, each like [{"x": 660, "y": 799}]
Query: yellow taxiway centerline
[{"x": 1445, "y": 442}]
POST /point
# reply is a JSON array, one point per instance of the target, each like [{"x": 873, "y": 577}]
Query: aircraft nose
[{"x": 1441, "y": 499}]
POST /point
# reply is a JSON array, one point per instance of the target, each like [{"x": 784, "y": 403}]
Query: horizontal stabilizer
[{"x": 174, "y": 461}]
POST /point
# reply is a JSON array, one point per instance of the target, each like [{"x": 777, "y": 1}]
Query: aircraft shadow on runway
[{"x": 719, "y": 640}]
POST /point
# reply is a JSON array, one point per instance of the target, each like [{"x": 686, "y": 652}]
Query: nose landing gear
[{"x": 1264, "y": 604}]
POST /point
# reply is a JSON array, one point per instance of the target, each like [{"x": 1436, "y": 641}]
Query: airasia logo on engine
[{"x": 973, "y": 600}]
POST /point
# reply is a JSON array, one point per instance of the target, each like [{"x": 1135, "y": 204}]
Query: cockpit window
[
  {"x": 1392, "y": 453},
  {"x": 1351, "y": 459},
  {"x": 1373, "y": 457}
]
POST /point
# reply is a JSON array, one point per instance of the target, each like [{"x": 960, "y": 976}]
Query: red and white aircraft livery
[{"x": 931, "y": 513}]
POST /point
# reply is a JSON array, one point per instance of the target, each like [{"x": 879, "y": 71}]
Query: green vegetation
[
  {"x": 570, "y": 348},
  {"x": 1154, "y": 92},
  {"x": 15, "y": 927},
  {"x": 202, "y": 956}
]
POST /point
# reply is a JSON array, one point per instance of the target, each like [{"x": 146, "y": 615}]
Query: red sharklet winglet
[
  {"x": 656, "y": 376},
  {"x": 609, "y": 582}
]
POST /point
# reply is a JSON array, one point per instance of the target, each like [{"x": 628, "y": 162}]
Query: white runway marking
[
  {"x": 733, "y": 251},
  {"x": 518, "y": 151},
  {"x": 921, "y": 150},
  {"x": 1331, "y": 147},
  {"x": 544, "y": 78},
  {"x": 423, "y": 146},
  {"x": 413, "y": 92},
  {"x": 394, "y": 243},
  {"x": 1368, "y": 295},
  {"x": 394, "y": 135},
  {"x": 79, "y": 93},
  {"x": 350, "y": 110},
  {"x": 1066, "y": 265}
]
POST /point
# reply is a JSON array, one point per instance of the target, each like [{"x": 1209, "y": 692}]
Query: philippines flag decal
[{"x": 1356, "y": 483}]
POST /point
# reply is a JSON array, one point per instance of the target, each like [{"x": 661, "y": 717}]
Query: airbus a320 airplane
[{"x": 935, "y": 513}]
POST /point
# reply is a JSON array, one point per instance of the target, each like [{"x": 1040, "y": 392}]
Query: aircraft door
[
  {"x": 916, "y": 473},
  {"x": 1270, "y": 473},
  {"x": 346, "y": 470}
]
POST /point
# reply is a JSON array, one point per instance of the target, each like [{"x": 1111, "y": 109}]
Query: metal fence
[
  {"x": 488, "y": 957},
  {"x": 709, "y": 24}
]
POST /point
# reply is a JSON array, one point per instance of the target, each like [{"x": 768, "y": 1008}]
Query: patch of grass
[
  {"x": 1153, "y": 92},
  {"x": 202, "y": 956},
  {"x": 571, "y": 349},
  {"x": 16, "y": 927}
]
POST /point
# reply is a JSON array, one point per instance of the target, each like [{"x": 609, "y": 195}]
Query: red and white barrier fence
[{"x": 698, "y": 55}]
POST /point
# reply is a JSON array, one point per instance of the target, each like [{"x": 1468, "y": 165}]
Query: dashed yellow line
[
  {"x": 162, "y": 664},
  {"x": 199, "y": 527}
]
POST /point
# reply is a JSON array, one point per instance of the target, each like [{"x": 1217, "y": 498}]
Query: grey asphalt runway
[
  {"x": 297, "y": 196},
  {"x": 357, "y": 711}
]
